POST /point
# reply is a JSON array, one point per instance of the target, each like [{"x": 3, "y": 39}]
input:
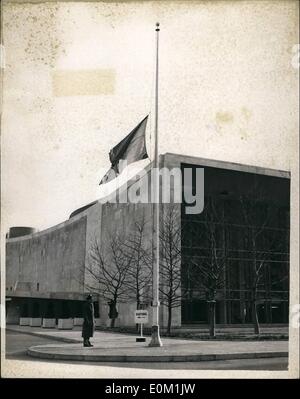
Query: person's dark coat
[{"x": 88, "y": 320}]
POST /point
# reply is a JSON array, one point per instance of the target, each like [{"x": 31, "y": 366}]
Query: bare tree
[
  {"x": 170, "y": 260},
  {"x": 108, "y": 268},
  {"x": 262, "y": 242},
  {"x": 140, "y": 271},
  {"x": 208, "y": 267}
]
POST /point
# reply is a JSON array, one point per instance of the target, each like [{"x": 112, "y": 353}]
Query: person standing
[{"x": 88, "y": 321}]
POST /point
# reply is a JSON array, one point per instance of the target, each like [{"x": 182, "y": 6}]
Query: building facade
[
  {"x": 247, "y": 216},
  {"x": 244, "y": 227}
]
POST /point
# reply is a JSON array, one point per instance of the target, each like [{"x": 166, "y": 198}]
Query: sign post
[{"x": 141, "y": 317}]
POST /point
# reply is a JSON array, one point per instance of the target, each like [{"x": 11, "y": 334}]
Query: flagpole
[{"x": 155, "y": 337}]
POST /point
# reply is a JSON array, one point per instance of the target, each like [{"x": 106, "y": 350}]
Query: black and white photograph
[{"x": 150, "y": 192}]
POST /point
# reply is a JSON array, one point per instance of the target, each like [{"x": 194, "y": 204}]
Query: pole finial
[{"x": 157, "y": 26}]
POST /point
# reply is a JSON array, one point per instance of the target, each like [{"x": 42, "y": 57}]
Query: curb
[
  {"x": 35, "y": 352},
  {"x": 198, "y": 338},
  {"x": 48, "y": 336}
]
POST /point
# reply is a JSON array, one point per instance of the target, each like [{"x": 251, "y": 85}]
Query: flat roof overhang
[{"x": 171, "y": 159}]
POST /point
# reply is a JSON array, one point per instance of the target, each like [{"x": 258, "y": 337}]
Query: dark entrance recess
[
  {"x": 279, "y": 312},
  {"x": 77, "y": 309},
  {"x": 194, "y": 312},
  {"x": 65, "y": 314},
  {"x": 96, "y": 310},
  {"x": 50, "y": 311},
  {"x": 36, "y": 310},
  {"x": 24, "y": 310}
]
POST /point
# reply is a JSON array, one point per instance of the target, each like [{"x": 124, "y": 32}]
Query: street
[{"x": 17, "y": 344}]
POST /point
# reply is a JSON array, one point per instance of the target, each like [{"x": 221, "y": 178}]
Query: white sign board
[{"x": 141, "y": 316}]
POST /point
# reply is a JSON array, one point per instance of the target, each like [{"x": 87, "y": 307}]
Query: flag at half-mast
[{"x": 131, "y": 149}]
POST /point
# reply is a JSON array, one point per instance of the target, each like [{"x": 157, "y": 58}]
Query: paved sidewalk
[
  {"x": 245, "y": 330},
  {"x": 69, "y": 336},
  {"x": 116, "y": 347}
]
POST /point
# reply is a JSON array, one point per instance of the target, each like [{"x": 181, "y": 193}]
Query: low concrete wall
[
  {"x": 49, "y": 323},
  {"x": 65, "y": 324},
  {"x": 24, "y": 321},
  {"x": 78, "y": 321},
  {"x": 35, "y": 322}
]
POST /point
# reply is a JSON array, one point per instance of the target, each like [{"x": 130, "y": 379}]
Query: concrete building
[{"x": 47, "y": 276}]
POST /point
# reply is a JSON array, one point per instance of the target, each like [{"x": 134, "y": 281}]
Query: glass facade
[{"x": 242, "y": 237}]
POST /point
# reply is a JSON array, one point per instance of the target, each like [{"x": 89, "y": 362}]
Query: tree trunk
[
  {"x": 138, "y": 306},
  {"x": 254, "y": 293},
  {"x": 113, "y": 314},
  {"x": 112, "y": 322},
  {"x": 255, "y": 317},
  {"x": 212, "y": 319},
  {"x": 169, "y": 320}
]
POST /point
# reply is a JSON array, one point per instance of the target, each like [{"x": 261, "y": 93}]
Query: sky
[{"x": 79, "y": 76}]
